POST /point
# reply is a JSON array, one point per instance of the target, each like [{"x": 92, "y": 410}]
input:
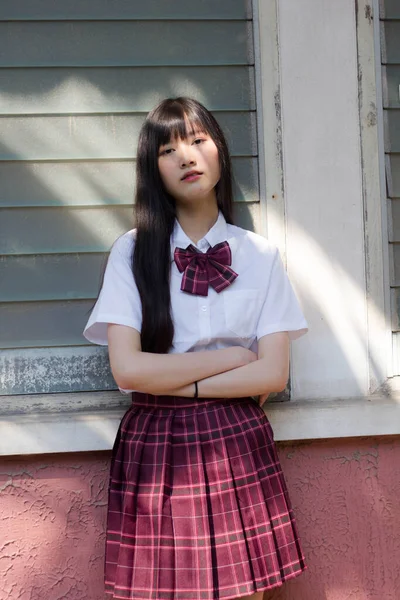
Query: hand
[
  {"x": 262, "y": 398},
  {"x": 244, "y": 355}
]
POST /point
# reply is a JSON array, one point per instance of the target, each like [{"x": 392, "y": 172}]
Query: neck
[{"x": 197, "y": 221}]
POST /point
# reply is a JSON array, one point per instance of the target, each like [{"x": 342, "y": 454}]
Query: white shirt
[{"x": 260, "y": 301}]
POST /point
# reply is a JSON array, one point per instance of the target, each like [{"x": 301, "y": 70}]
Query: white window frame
[
  {"x": 376, "y": 410},
  {"x": 73, "y": 422}
]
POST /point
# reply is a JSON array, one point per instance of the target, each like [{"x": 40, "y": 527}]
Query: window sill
[{"x": 89, "y": 421}]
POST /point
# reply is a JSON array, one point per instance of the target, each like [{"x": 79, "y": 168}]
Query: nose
[
  {"x": 187, "y": 162},
  {"x": 186, "y": 156}
]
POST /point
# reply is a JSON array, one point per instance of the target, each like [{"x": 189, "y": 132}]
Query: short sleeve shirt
[{"x": 259, "y": 302}]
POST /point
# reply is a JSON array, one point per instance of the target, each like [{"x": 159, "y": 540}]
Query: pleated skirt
[{"x": 198, "y": 505}]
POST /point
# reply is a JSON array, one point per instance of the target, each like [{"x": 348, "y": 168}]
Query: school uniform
[{"x": 198, "y": 505}]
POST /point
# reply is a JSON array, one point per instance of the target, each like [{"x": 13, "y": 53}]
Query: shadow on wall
[{"x": 53, "y": 526}]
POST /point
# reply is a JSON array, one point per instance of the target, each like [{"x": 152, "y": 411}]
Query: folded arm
[
  {"x": 260, "y": 378},
  {"x": 157, "y": 373}
]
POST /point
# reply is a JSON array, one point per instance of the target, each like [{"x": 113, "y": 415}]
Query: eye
[
  {"x": 166, "y": 151},
  {"x": 198, "y": 141}
]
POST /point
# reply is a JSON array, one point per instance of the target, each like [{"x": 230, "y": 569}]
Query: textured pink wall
[
  {"x": 346, "y": 494},
  {"x": 52, "y": 512}
]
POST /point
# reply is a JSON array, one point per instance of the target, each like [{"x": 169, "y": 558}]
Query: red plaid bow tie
[{"x": 203, "y": 269}]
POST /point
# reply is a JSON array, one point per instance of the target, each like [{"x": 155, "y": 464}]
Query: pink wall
[
  {"x": 52, "y": 511},
  {"x": 346, "y": 495}
]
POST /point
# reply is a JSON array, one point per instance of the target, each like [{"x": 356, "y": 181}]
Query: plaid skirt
[{"x": 198, "y": 506}]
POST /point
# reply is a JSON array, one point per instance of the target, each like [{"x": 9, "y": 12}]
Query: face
[{"x": 189, "y": 168}]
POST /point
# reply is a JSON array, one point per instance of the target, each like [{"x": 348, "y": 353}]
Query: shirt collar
[{"x": 217, "y": 233}]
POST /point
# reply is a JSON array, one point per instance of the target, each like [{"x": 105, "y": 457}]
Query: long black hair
[{"x": 155, "y": 211}]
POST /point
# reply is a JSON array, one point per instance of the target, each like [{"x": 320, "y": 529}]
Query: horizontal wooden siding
[
  {"x": 390, "y": 43},
  {"x": 76, "y": 81}
]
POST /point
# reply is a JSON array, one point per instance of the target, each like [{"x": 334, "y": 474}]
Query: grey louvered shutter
[
  {"x": 76, "y": 80},
  {"x": 390, "y": 44}
]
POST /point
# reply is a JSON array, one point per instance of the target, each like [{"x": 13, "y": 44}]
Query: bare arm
[
  {"x": 262, "y": 377},
  {"x": 156, "y": 373}
]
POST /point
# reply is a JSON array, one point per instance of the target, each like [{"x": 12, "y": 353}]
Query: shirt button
[{"x": 204, "y": 308}]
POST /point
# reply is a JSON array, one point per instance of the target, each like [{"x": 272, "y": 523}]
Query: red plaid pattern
[
  {"x": 201, "y": 269},
  {"x": 198, "y": 505}
]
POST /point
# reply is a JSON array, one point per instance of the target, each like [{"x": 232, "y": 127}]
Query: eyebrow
[{"x": 191, "y": 133}]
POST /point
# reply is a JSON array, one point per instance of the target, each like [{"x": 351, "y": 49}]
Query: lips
[{"x": 190, "y": 174}]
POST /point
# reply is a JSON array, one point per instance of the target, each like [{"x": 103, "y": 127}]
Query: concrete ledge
[
  {"x": 87, "y": 422},
  {"x": 321, "y": 419}
]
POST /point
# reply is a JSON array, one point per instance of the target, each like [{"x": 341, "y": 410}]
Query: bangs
[{"x": 177, "y": 120}]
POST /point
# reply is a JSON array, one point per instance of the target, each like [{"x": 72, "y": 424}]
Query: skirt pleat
[
  {"x": 286, "y": 545},
  {"x": 192, "y": 499},
  {"x": 232, "y": 553},
  {"x": 224, "y": 512},
  {"x": 253, "y": 509},
  {"x": 198, "y": 505},
  {"x": 124, "y": 500}
]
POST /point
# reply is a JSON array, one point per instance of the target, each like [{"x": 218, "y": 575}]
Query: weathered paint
[
  {"x": 373, "y": 189},
  {"x": 268, "y": 94},
  {"x": 345, "y": 494},
  {"x": 57, "y": 369}
]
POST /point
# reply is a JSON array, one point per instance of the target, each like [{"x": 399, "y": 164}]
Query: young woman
[{"x": 197, "y": 314}]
